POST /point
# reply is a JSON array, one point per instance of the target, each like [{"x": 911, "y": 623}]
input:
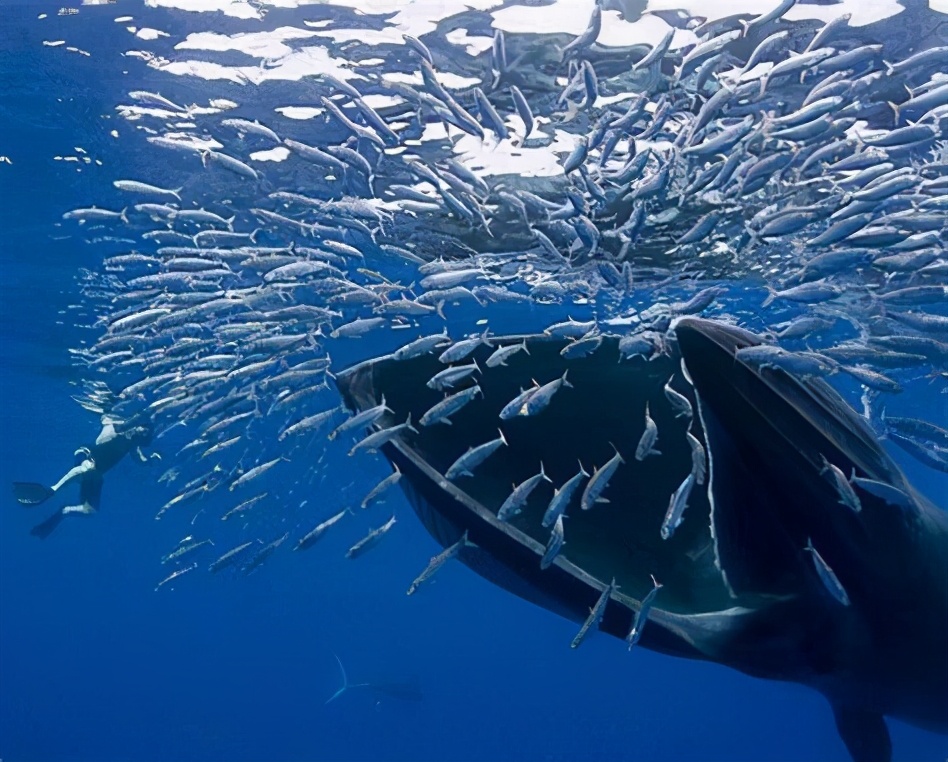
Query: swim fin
[
  {"x": 29, "y": 493},
  {"x": 45, "y": 528}
]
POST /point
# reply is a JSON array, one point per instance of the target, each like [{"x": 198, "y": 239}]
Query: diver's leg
[
  {"x": 75, "y": 472},
  {"x": 30, "y": 493},
  {"x": 90, "y": 493}
]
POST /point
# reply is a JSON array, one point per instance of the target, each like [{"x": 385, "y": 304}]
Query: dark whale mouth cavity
[
  {"x": 602, "y": 413},
  {"x": 768, "y": 572}
]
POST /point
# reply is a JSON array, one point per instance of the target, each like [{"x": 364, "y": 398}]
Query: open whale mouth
[{"x": 735, "y": 547}]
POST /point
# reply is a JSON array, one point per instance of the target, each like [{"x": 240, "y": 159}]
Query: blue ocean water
[{"x": 95, "y": 664}]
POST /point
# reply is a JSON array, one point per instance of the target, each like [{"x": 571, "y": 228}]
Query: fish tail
[
  {"x": 770, "y": 297},
  {"x": 895, "y": 111}
]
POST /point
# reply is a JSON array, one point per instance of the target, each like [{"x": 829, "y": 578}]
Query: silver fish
[
  {"x": 465, "y": 465},
  {"x": 641, "y": 616},
  {"x": 599, "y": 481},
  {"x": 827, "y": 575},
  {"x": 595, "y": 615},
  {"x": 370, "y": 540},
  {"x": 562, "y": 497},
  {"x": 677, "y": 506},
  {"x": 436, "y": 562},
  {"x": 381, "y": 487},
  {"x": 649, "y": 438},
  {"x": 521, "y": 493},
  {"x": 556, "y": 542}
]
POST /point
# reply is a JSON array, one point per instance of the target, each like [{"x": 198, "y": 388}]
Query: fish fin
[
  {"x": 30, "y": 493},
  {"x": 865, "y": 734},
  {"x": 602, "y": 500}
]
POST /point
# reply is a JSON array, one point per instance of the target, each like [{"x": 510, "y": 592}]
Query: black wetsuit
[{"x": 105, "y": 456}]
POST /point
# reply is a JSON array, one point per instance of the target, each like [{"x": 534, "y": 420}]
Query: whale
[{"x": 803, "y": 555}]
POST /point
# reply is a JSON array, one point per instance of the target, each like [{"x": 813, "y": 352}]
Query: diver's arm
[{"x": 146, "y": 458}]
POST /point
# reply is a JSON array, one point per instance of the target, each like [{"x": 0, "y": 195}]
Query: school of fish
[{"x": 787, "y": 176}]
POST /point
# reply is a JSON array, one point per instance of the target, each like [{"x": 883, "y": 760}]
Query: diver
[{"x": 92, "y": 463}]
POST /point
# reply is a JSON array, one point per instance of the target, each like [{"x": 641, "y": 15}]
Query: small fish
[
  {"x": 436, "y": 562},
  {"x": 887, "y": 492},
  {"x": 698, "y": 458},
  {"x": 440, "y": 412},
  {"x": 562, "y": 497},
  {"x": 677, "y": 505},
  {"x": 571, "y": 329},
  {"x": 174, "y": 575},
  {"x": 421, "y": 346},
  {"x": 649, "y": 438},
  {"x": 134, "y": 186},
  {"x": 465, "y": 465},
  {"x": 381, "y": 487},
  {"x": 357, "y": 327},
  {"x": 310, "y": 423},
  {"x": 230, "y": 557},
  {"x": 521, "y": 493},
  {"x": 263, "y": 554},
  {"x": 679, "y": 402},
  {"x": 185, "y": 546},
  {"x": 501, "y": 354},
  {"x": 461, "y": 349},
  {"x": 309, "y": 539},
  {"x": 641, "y": 616},
  {"x": 370, "y": 540},
  {"x": 244, "y": 506},
  {"x": 588, "y": 36},
  {"x": 363, "y": 419},
  {"x": 765, "y": 18},
  {"x": 515, "y": 407},
  {"x": 556, "y": 542},
  {"x": 373, "y": 441},
  {"x": 577, "y": 157},
  {"x": 595, "y": 615},
  {"x": 419, "y": 47},
  {"x": 542, "y": 396},
  {"x": 523, "y": 111},
  {"x": 827, "y": 575},
  {"x": 844, "y": 489},
  {"x": 581, "y": 347},
  {"x": 599, "y": 481},
  {"x": 451, "y": 377},
  {"x": 253, "y": 473}
]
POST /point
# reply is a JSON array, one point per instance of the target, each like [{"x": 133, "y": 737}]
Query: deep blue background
[{"x": 95, "y": 665}]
